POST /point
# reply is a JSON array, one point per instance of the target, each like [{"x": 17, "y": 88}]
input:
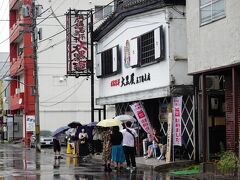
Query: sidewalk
[{"x": 153, "y": 163}]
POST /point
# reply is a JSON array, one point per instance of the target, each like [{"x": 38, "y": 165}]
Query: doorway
[{"x": 216, "y": 125}]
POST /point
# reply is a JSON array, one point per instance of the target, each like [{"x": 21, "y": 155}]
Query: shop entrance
[{"x": 216, "y": 123}]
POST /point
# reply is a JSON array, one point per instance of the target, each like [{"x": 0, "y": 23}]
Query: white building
[
  {"x": 63, "y": 99},
  {"x": 142, "y": 56},
  {"x": 4, "y": 96},
  {"x": 214, "y": 56}
]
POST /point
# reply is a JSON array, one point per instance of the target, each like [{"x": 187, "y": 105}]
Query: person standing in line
[
  {"x": 96, "y": 140},
  {"x": 106, "y": 155},
  {"x": 129, "y": 135},
  {"x": 118, "y": 157},
  {"x": 83, "y": 146},
  {"x": 57, "y": 146}
]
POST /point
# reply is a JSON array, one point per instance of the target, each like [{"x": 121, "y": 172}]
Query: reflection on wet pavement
[{"x": 19, "y": 163}]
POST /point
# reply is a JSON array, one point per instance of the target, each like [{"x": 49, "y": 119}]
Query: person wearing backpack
[{"x": 129, "y": 135}]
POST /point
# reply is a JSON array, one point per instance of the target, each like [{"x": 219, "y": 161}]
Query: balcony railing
[
  {"x": 15, "y": 4},
  {"x": 16, "y": 66},
  {"x": 20, "y": 27},
  {"x": 17, "y": 101}
]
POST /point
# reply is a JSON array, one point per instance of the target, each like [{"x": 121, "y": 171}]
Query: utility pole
[
  {"x": 92, "y": 67},
  {"x": 36, "y": 92}
]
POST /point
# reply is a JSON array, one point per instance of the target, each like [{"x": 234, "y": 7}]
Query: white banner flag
[
  {"x": 177, "y": 115},
  {"x": 142, "y": 117}
]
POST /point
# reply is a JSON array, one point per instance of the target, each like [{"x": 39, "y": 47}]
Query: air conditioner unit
[{"x": 212, "y": 82}]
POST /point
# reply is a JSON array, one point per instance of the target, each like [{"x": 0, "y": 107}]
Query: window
[
  {"x": 147, "y": 52},
  {"x": 102, "y": 12},
  {"x": 108, "y": 62},
  {"x": 148, "y": 48},
  {"x": 211, "y": 10}
]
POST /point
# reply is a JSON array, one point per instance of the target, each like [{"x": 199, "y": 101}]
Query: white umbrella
[{"x": 125, "y": 117}]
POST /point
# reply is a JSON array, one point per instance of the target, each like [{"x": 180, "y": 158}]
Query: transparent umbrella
[{"x": 125, "y": 117}]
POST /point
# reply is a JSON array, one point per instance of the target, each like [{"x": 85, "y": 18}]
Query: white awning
[{"x": 136, "y": 96}]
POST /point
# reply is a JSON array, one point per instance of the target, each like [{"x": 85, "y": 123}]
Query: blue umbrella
[
  {"x": 92, "y": 124},
  {"x": 60, "y": 130}
]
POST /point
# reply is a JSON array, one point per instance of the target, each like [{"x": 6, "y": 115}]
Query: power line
[
  {"x": 73, "y": 25},
  {"x": 51, "y": 13},
  {"x": 37, "y": 18},
  {"x": 5, "y": 10},
  {"x": 67, "y": 96},
  {"x": 58, "y": 43},
  {"x": 61, "y": 92},
  {"x": 5, "y": 88},
  {"x": 7, "y": 59}
]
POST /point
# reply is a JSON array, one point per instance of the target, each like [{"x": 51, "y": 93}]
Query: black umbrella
[{"x": 74, "y": 124}]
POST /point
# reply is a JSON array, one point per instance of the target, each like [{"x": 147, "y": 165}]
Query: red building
[{"x": 21, "y": 63}]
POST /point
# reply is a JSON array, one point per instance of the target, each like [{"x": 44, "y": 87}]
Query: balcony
[
  {"x": 17, "y": 65},
  {"x": 19, "y": 28},
  {"x": 17, "y": 101},
  {"x": 15, "y": 4}
]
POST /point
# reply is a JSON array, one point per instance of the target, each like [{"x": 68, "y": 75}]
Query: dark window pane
[
  {"x": 107, "y": 62},
  {"x": 147, "y": 48}
]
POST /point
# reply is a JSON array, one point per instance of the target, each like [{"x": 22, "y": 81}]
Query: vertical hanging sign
[
  {"x": 77, "y": 43},
  {"x": 177, "y": 116},
  {"x": 142, "y": 117}
]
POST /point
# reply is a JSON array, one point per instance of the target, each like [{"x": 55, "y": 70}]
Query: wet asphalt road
[{"x": 17, "y": 162}]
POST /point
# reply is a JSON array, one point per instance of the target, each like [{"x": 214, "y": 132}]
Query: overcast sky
[{"x": 4, "y": 25}]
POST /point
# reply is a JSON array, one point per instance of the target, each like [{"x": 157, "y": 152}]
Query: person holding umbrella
[
  {"x": 57, "y": 146},
  {"x": 56, "y": 141},
  {"x": 106, "y": 136}
]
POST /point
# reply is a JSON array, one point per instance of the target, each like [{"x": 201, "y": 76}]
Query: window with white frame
[
  {"x": 148, "y": 48},
  {"x": 211, "y": 10},
  {"x": 101, "y": 12},
  {"x": 108, "y": 62}
]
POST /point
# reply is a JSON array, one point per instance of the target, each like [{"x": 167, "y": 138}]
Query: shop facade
[
  {"x": 141, "y": 56},
  {"x": 213, "y": 54}
]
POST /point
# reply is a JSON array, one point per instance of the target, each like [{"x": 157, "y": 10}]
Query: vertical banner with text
[
  {"x": 77, "y": 39},
  {"x": 142, "y": 117},
  {"x": 177, "y": 116}
]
